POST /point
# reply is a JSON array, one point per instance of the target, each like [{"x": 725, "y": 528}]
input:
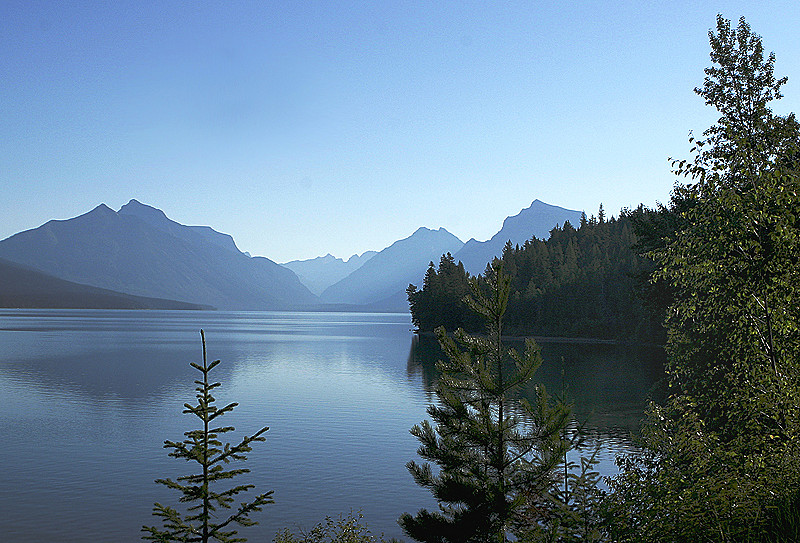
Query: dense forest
[{"x": 590, "y": 281}]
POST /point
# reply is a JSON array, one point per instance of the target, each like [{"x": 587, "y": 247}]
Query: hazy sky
[{"x": 303, "y": 128}]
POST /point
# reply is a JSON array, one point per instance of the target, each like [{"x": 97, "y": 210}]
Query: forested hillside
[{"x": 583, "y": 282}]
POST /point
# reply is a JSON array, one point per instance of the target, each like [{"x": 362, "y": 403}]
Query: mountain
[
  {"x": 319, "y": 273},
  {"x": 21, "y": 286},
  {"x": 382, "y": 280},
  {"x": 536, "y": 220},
  {"x": 139, "y": 251},
  {"x": 196, "y": 235}
]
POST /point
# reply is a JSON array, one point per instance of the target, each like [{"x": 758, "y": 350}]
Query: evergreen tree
[
  {"x": 497, "y": 455},
  {"x": 204, "y": 447},
  {"x": 578, "y": 283}
]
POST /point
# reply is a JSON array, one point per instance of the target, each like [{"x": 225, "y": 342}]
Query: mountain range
[
  {"x": 321, "y": 272},
  {"x": 139, "y": 251},
  {"x": 382, "y": 280},
  {"x": 138, "y": 257},
  {"x": 380, "y": 283}
]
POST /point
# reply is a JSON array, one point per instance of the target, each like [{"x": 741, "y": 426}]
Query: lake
[{"x": 89, "y": 396}]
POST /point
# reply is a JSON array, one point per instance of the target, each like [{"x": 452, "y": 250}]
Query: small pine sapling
[{"x": 203, "y": 446}]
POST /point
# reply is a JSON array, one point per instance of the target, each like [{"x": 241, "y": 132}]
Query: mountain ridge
[
  {"x": 125, "y": 253},
  {"x": 193, "y": 234},
  {"x": 392, "y": 269},
  {"x": 140, "y": 251},
  {"x": 535, "y": 220},
  {"x": 323, "y": 271}
]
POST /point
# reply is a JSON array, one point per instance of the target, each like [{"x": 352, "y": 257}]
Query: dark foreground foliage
[
  {"x": 500, "y": 457},
  {"x": 721, "y": 460},
  {"x": 721, "y": 264},
  {"x": 349, "y": 528}
]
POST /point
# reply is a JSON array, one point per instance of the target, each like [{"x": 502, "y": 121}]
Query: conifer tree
[
  {"x": 497, "y": 454},
  {"x": 203, "y": 446}
]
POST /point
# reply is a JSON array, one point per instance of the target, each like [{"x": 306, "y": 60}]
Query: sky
[{"x": 307, "y": 128}]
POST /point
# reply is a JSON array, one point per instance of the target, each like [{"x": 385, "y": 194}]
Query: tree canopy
[
  {"x": 584, "y": 282},
  {"x": 722, "y": 450}
]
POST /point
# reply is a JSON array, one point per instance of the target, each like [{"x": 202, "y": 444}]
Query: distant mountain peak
[
  {"x": 360, "y": 258},
  {"x": 385, "y": 276},
  {"x": 135, "y": 207},
  {"x": 321, "y": 272},
  {"x": 535, "y": 220},
  {"x": 425, "y": 230},
  {"x": 139, "y": 251},
  {"x": 194, "y": 234},
  {"x": 533, "y": 212},
  {"x": 102, "y": 208}
]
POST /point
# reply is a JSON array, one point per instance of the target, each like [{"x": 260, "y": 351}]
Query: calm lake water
[{"x": 90, "y": 396}]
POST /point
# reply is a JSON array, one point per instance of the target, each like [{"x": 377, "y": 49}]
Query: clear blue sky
[{"x": 303, "y": 128}]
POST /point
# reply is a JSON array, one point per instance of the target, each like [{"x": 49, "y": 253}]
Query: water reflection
[
  {"x": 90, "y": 396},
  {"x": 608, "y": 385}
]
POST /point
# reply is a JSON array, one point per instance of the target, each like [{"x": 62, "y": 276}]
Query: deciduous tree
[{"x": 723, "y": 449}]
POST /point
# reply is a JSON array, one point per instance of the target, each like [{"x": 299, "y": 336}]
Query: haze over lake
[{"x": 91, "y": 395}]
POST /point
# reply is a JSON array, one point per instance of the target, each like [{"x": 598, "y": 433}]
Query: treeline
[{"x": 586, "y": 282}]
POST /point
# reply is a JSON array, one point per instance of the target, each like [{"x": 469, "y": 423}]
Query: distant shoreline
[{"x": 559, "y": 339}]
